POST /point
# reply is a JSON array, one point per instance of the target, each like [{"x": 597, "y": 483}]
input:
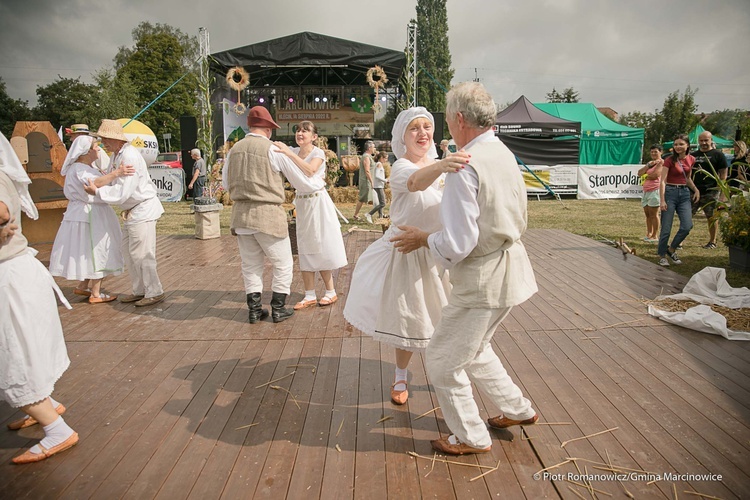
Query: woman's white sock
[
  {"x": 401, "y": 374},
  {"x": 55, "y": 433},
  {"x": 310, "y": 295}
]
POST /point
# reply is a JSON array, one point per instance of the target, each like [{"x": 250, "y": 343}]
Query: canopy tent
[
  {"x": 309, "y": 59},
  {"x": 603, "y": 141},
  {"x": 693, "y": 135},
  {"x": 536, "y": 137}
]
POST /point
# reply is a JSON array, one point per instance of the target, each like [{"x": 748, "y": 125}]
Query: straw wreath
[{"x": 238, "y": 79}]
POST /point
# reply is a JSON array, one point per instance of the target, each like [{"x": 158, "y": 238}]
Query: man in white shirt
[
  {"x": 141, "y": 208},
  {"x": 483, "y": 212},
  {"x": 252, "y": 176}
]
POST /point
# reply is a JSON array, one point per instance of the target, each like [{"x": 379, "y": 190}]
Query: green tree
[
  {"x": 161, "y": 56},
  {"x": 433, "y": 54},
  {"x": 114, "y": 97},
  {"x": 11, "y": 111},
  {"x": 62, "y": 101},
  {"x": 677, "y": 116},
  {"x": 567, "y": 95},
  {"x": 724, "y": 123}
]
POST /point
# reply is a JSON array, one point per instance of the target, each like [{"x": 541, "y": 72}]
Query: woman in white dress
[
  {"x": 32, "y": 348},
  {"x": 397, "y": 298},
  {"x": 319, "y": 241},
  {"x": 87, "y": 245}
]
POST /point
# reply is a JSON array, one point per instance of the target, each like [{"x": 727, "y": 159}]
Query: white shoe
[
  {"x": 664, "y": 262},
  {"x": 368, "y": 217}
]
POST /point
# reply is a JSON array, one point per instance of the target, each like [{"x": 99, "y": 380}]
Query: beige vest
[
  {"x": 256, "y": 190},
  {"x": 497, "y": 273}
]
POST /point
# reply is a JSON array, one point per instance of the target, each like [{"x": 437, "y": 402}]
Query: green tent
[
  {"x": 603, "y": 142},
  {"x": 693, "y": 135}
]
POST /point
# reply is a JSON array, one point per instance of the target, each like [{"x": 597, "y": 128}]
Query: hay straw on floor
[{"x": 737, "y": 319}]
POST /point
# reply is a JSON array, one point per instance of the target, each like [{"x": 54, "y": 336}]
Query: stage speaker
[
  {"x": 437, "y": 136},
  {"x": 188, "y": 138}
]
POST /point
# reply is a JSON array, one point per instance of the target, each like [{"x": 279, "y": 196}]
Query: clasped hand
[
  {"x": 411, "y": 238},
  {"x": 454, "y": 162}
]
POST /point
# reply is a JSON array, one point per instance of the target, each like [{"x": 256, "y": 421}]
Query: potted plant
[
  {"x": 734, "y": 226},
  {"x": 733, "y": 213}
]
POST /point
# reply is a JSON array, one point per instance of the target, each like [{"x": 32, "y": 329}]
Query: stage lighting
[
  {"x": 291, "y": 99},
  {"x": 261, "y": 99},
  {"x": 317, "y": 99},
  {"x": 325, "y": 99}
]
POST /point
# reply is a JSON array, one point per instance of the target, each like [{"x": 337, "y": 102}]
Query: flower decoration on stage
[
  {"x": 377, "y": 79},
  {"x": 238, "y": 79}
]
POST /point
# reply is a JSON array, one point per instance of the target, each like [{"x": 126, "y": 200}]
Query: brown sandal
[
  {"x": 327, "y": 301},
  {"x": 81, "y": 291},
  {"x": 102, "y": 298}
]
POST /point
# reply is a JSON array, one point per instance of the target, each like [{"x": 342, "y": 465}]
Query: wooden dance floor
[{"x": 185, "y": 399}]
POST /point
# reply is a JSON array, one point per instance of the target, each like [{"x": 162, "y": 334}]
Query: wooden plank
[
  {"x": 319, "y": 427},
  {"x": 369, "y": 468},
  {"x": 219, "y": 465},
  {"x": 112, "y": 410},
  {"x": 282, "y": 452},
  {"x": 249, "y": 469},
  {"x": 154, "y": 423},
  {"x": 339, "y": 473},
  {"x": 200, "y": 437}
]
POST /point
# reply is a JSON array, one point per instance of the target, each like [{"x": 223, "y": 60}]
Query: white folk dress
[
  {"x": 319, "y": 241},
  {"x": 32, "y": 348},
  {"x": 88, "y": 243},
  {"x": 398, "y": 298}
]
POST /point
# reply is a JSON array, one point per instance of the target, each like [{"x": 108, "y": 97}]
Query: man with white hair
[
  {"x": 141, "y": 208},
  {"x": 199, "y": 173},
  {"x": 483, "y": 212}
]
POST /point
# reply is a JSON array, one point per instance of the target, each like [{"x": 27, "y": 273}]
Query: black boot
[
  {"x": 257, "y": 313},
  {"x": 278, "y": 312}
]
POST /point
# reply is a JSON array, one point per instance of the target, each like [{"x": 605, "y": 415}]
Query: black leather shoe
[
  {"x": 257, "y": 312},
  {"x": 278, "y": 312}
]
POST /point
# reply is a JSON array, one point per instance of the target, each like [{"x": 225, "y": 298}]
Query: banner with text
[
  {"x": 596, "y": 182},
  {"x": 169, "y": 182},
  {"x": 562, "y": 179},
  {"x": 330, "y": 122}
]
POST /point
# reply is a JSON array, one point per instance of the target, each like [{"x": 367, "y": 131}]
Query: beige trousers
[
  {"x": 253, "y": 250},
  {"x": 460, "y": 353},
  {"x": 139, "y": 252}
]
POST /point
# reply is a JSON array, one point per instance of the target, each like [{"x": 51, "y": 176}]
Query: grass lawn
[{"x": 596, "y": 219}]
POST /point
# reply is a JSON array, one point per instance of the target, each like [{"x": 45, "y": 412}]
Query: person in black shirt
[{"x": 711, "y": 160}]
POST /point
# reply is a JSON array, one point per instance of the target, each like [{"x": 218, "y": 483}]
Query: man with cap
[
  {"x": 78, "y": 129},
  {"x": 252, "y": 175},
  {"x": 141, "y": 208}
]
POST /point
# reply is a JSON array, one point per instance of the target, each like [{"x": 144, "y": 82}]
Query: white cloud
[{"x": 625, "y": 55}]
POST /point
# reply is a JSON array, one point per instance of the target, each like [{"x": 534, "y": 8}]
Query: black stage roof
[{"x": 309, "y": 59}]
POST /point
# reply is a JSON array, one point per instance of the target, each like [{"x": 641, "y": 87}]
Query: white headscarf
[
  {"x": 11, "y": 166},
  {"x": 403, "y": 120},
  {"x": 81, "y": 145}
]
